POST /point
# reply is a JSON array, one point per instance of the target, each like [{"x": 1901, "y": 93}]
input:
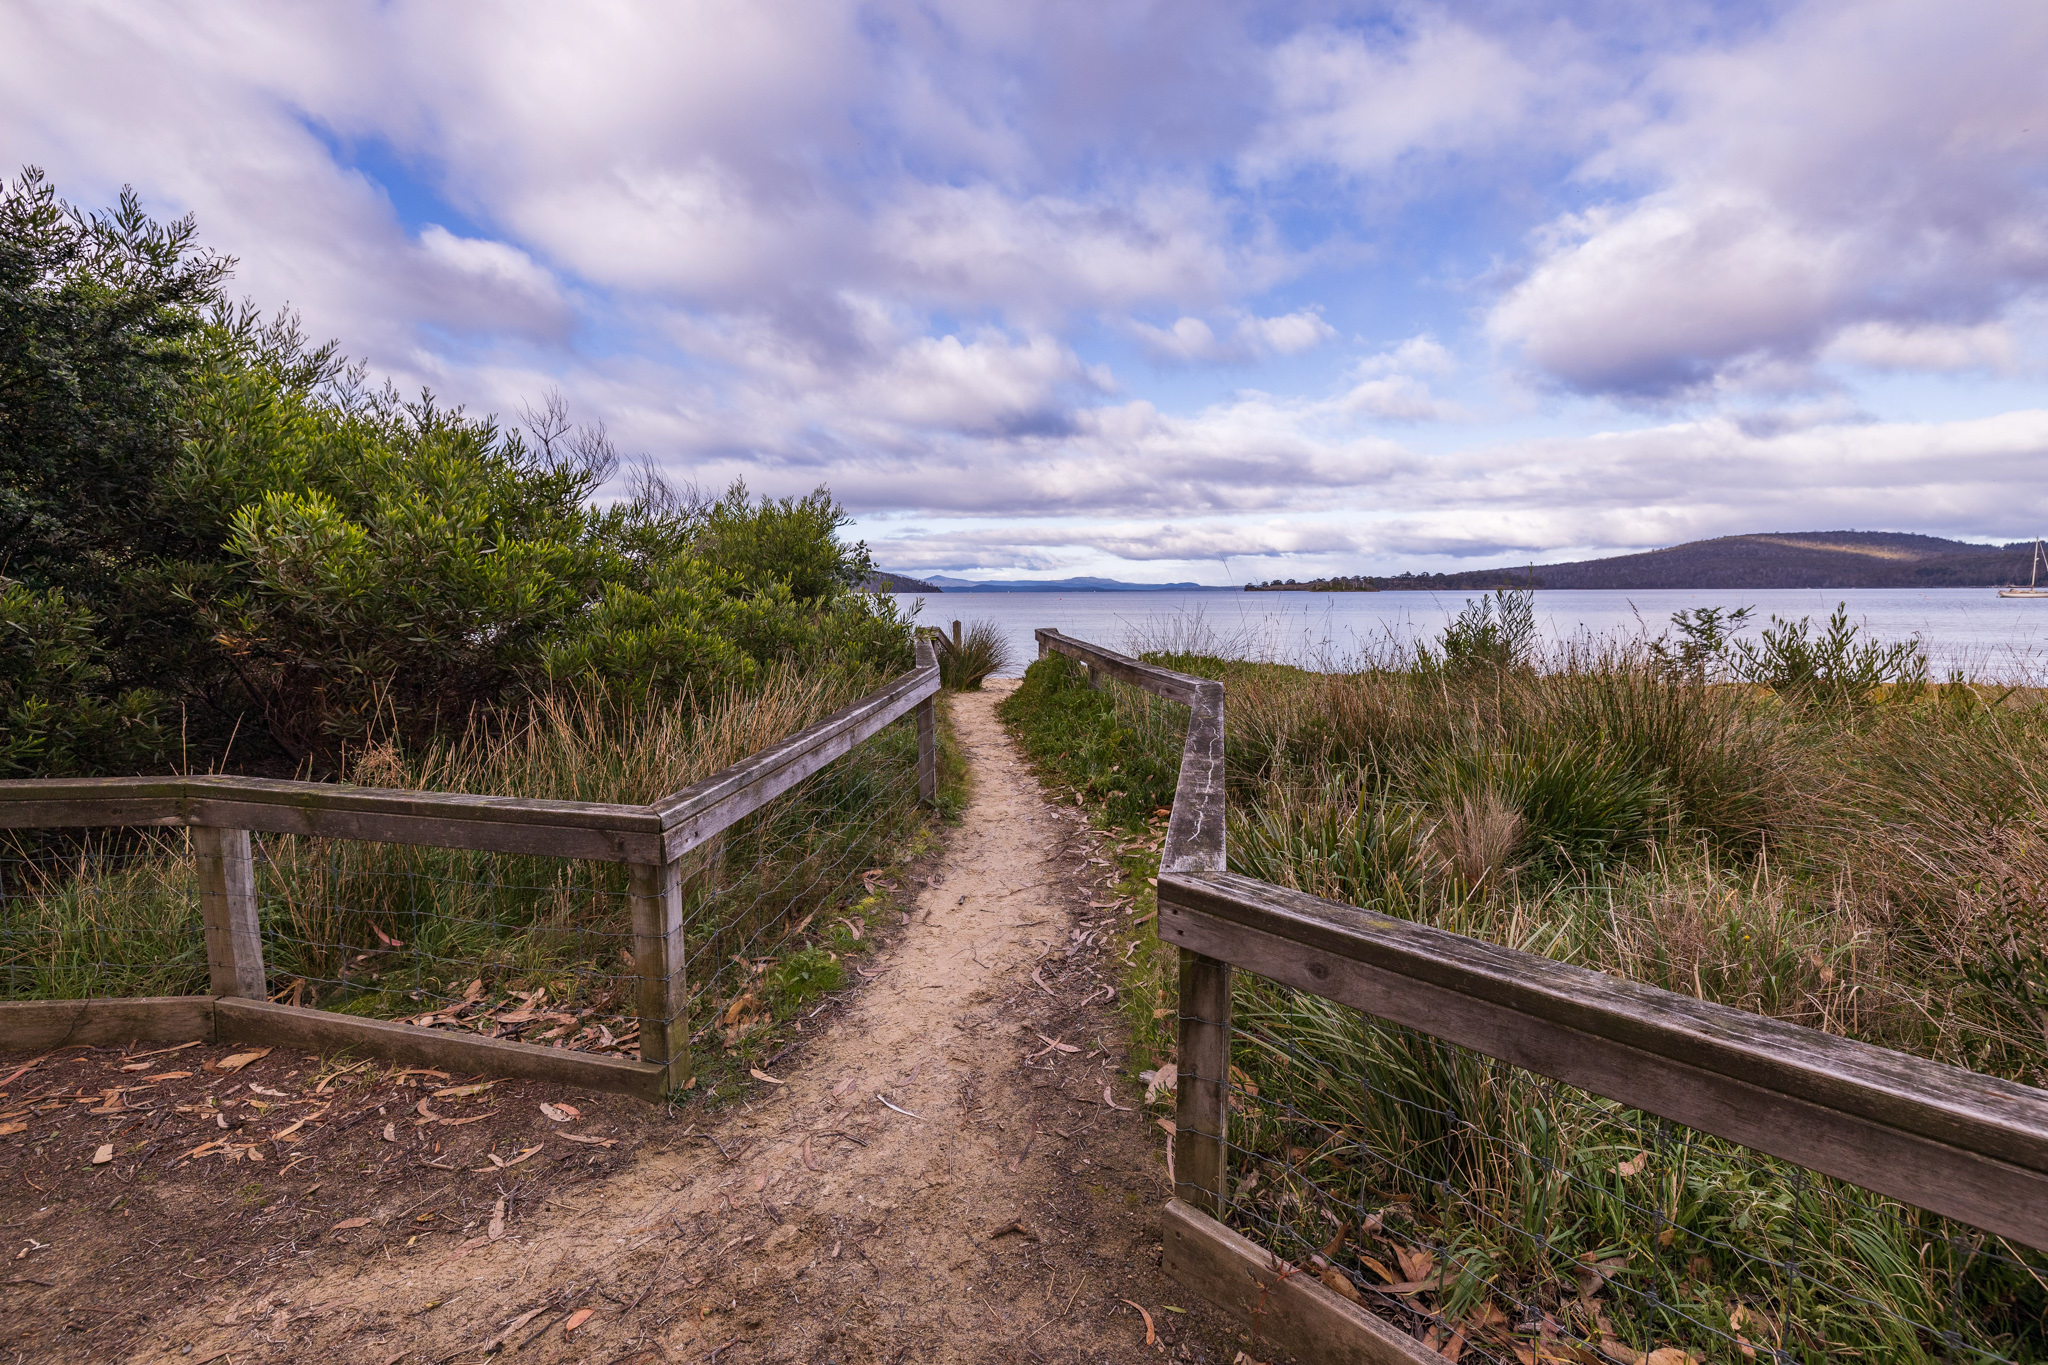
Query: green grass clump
[
  {"x": 1807, "y": 830},
  {"x": 967, "y": 659},
  {"x": 802, "y": 977}
]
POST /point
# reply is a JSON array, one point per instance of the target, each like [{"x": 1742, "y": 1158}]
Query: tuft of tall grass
[{"x": 967, "y": 659}]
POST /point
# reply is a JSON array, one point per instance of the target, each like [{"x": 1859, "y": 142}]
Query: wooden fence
[
  {"x": 1969, "y": 1147},
  {"x": 650, "y": 840}
]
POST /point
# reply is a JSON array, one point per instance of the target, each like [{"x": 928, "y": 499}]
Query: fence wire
[
  {"x": 98, "y": 913},
  {"x": 529, "y": 949},
  {"x": 1499, "y": 1215}
]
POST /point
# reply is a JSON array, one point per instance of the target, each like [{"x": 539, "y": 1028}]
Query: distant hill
[
  {"x": 1055, "y": 585},
  {"x": 1776, "y": 559},
  {"x": 881, "y": 580}
]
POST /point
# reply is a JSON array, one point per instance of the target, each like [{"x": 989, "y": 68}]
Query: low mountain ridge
[{"x": 1773, "y": 559}]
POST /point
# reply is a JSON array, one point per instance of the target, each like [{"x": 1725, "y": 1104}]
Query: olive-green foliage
[
  {"x": 292, "y": 563},
  {"x": 58, "y": 716},
  {"x": 102, "y": 326},
  {"x": 791, "y": 541},
  {"x": 802, "y": 977},
  {"x": 1488, "y": 635},
  {"x": 1838, "y": 668}
]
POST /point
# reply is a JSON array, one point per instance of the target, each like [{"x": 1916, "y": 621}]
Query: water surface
[{"x": 1969, "y": 628}]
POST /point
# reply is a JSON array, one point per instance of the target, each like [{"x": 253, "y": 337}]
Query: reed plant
[{"x": 1865, "y": 854}]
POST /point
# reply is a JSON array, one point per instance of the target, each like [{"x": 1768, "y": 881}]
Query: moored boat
[{"x": 2033, "y": 588}]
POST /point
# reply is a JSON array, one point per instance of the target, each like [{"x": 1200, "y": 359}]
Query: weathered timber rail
[
  {"x": 651, "y": 840},
  {"x": 1969, "y": 1147}
]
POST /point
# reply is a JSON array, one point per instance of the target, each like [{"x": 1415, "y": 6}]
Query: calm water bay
[{"x": 1970, "y": 628}]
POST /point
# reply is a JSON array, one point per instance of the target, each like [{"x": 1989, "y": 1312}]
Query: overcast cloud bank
[{"x": 1150, "y": 291}]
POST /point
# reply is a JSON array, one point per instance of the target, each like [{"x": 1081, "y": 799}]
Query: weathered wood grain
[
  {"x": 262, "y": 1023},
  {"x": 1283, "y": 1306},
  {"x": 1194, "y": 831},
  {"x": 32, "y": 1024},
  {"x": 32, "y": 806},
  {"x": 227, "y": 909},
  {"x": 500, "y": 824},
  {"x": 1960, "y": 1144},
  {"x": 1201, "y": 1117},
  {"x": 656, "y": 892},
  {"x": 492, "y": 824},
  {"x": 705, "y": 808},
  {"x": 927, "y": 730}
]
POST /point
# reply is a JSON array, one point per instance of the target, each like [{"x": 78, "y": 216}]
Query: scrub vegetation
[
  {"x": 1802, "y": 826},
  {"x": 222, "y": 548}
]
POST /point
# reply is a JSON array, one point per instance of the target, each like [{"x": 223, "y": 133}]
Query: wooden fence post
[
  {"x": 227, "y": 907},
  {"x": 656, "y": 891},
  {"x": 1201, "y": 1093},
  {"x": 928, "y": 750}
]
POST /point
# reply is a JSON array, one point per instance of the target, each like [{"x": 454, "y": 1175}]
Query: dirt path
[{"x": 853, "y": 1213}]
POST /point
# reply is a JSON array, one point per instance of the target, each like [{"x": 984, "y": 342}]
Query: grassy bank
[
  {"x": 397, "y": 931},
  {"x": 1859, "y": 852}
]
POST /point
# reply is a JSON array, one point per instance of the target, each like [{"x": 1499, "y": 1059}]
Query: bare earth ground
[{"x": 856, "y": 1212}]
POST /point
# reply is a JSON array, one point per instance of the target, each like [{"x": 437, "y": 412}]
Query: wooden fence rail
[
  {"x": 1963, "y": 1145},
  {"x": 651, "y": 840}
]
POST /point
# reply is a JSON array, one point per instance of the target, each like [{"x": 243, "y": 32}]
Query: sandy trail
[{"x": 847, "y": 1214}]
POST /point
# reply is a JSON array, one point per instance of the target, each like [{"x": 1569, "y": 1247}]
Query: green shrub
[
  {"x": 1838, "y": 668},
  {"x": 58, "y": 717},
  {"x": 299, "y": 565}
]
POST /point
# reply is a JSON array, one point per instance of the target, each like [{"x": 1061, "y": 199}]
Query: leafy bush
[
  {"x": 1838, "y": 668},
  {"x": 301, "y": 565},
  {"x": 1114, "y": 743},
  {"x": 1705, "y": 635},
  {"x": 803, "y": 976},
  {"x": 1490, "y": 635},
  {"x": 57, "y": 717}
]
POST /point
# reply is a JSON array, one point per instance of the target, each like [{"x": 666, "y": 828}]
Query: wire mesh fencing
[
  {"x": 531, "y": 949},
  {"x": 1499, "y": 1215},
  {"x": 98, "y": 913},
  {"x": 787, "y": 898}
]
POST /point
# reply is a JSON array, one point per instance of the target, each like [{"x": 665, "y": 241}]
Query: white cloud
[
  {"x": 1288, "y": 334},
  {"x": 1417, "y": 355},
  {"x": 1860, "y": 164},
  {"x": 1190, "y": 340},
  {"x": 1343, "y": 100},
  {"x": 1888, "y": 346},
  {"x": 880, "y": 247},
  {"x": 1400, "y": 398}
]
